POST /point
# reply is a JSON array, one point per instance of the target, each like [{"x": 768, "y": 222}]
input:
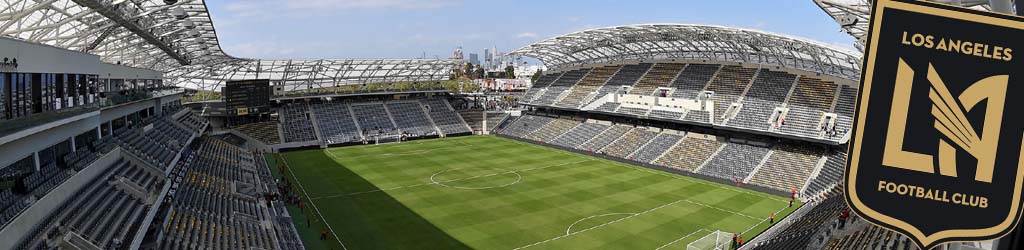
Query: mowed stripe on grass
[{"x": 494, "y": 193}]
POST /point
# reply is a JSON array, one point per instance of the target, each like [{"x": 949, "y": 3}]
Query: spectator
[{"x": 323, "y": 235}]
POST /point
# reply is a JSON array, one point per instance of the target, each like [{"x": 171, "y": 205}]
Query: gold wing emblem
[{"x": 950, "y": 118}]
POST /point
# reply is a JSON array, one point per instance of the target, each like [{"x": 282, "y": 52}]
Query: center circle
[{"x": 465, "y": 178}]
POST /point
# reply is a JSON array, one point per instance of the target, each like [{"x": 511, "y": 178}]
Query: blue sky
[{"x": 407, "y": 28}]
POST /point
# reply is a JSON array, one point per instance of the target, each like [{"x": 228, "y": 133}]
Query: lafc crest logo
[
  {"x": 950, "y": 121},
  {"x": 936, "y": 152}
]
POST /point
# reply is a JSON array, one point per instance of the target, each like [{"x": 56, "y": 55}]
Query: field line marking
[
  {"x": 435, "y": 182},
  {"x": 763, "y": 220},
  {"x": 432, "y": 182},
  {"x": 321, "y": 215},
  {"x": 635, "y": 215},
  {"x": 720, "y": 209},
  {"x": 599, "y": 226},
  {"x": 415, "y": 152},
  {"x": 679, "y": 177},
  {"x": 569, "y": 230},
  {"x": 684, "y": 237},
  {"x": 417, "y": 142}
]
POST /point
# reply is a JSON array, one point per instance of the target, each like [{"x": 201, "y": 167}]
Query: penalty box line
[
  {"x": 447, "y": 181},
  {"x": 684, "y": 237},
  {"x": 635, "y": 215}
]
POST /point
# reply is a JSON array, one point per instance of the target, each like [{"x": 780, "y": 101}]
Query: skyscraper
[
  {"x": 488, "y": 59},
  {"x": 474, "y": 58}
]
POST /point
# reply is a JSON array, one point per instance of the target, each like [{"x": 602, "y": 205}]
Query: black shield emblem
[{"x": 936, "y": 150}]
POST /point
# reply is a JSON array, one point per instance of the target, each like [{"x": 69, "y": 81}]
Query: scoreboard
[{"x": 247, "y": 97}]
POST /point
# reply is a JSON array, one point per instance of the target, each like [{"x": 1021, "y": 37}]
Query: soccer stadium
[{"x": 124, "y": 124}]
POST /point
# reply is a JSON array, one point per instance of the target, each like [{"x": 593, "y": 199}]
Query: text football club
[{"x": 936, "y": 151}]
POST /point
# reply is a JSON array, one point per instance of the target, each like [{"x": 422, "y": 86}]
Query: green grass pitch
[{"x": 485, "y": 192}]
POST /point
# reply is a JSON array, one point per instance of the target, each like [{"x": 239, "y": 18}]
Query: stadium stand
[
  {"x": 784, "y": 167},
  {"x": 665, "y": 114},
  {"x": 215, "y": 206},
  {"x": 296, "y": 124},
  {"x": 410, "y": 118},
  {"x": 633, "y": 111},
  {"x": 661, "y": 75},
  {"x": 158, "y": 144},
  {"x": 335, "y": 122},
  {"x": 693, "y": 79},
  {"x": 474, "y": 118},
  {"x": 767, "y": 92},
  {"x": 608, "y": 107},
  {"x": 553, "y": 129},
  {"x": 626, "y": 76},
  {"x": 373, "y": 118},
  {"x": 830, "y": 174},
  {"x": 191, "y": 121},
  {"x": 628, "y": 143},
  {"x": 845, "y": 108},
  {"x": 590, "y": 83},
  {"x": 494, "y": 119},
  {"x": 543, "y": 82},
  {"x": 758, "y": 91},
  {"x": 689, "y": 154},
  {"x": 788, "y": 167},
  {"x": 525, "y": 125},
  {"x": 872, "y": 237},
  {"x": 106, "y": 212},
  {"x": 579, "y": 134},
  {"x": 446, "y": 119},
  {"x": 810, "y": 99},
  {"x": 698, "y": 116},
  {"x": 560, "y": 86},
  {"x": 607, "y": 137},
  {"x": 735, "y": 161},
  {"x": 728, "y": 85},
  {"x": 800, "y": 233},
  {"x": 264, "y": 132},
  {"x": 656, "y": 147}
]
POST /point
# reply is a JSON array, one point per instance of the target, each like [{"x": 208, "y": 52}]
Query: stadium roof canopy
[
  {"x": 853, "y": 15},
  {"x": 178, "y": 37},
  {"x": 688, "y": 41}
]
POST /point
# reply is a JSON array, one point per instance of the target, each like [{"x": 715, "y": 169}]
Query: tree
[
  {"x": 468, "y": 70},
  {"x": 479, "y": 73},
  {"x": 536, "y": 75},
  {"x": 510, "y": 72}
]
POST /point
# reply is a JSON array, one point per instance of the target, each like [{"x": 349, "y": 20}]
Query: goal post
[
  {"x": 716, "y": 240},
  {"x": 386, "y": 139}
]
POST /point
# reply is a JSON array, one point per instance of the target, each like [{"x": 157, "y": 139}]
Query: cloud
[
  {"x": 760, "y": 24},
  {"x": 529, "y": 35},
  {"x": 573, "y": 19}
]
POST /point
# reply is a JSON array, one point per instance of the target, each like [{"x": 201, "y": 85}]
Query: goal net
[
  {"x": 716, "y": 240},
  {"x": 386, "y": 138}
]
